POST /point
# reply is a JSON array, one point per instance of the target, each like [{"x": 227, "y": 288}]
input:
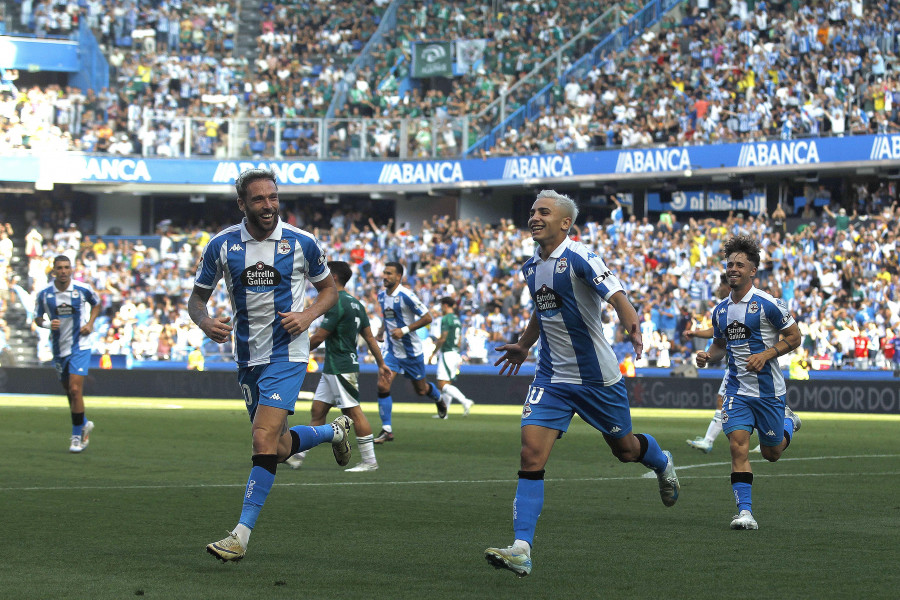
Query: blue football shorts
[
  {"x": 76, "y": 363},
  {"x": 604, "y": 408},
  {"x": 412, "y": 368},
  {"x": 766, "y": 415},
  {"x": 275, "y": 384}
]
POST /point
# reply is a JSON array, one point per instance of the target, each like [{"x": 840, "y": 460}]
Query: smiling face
[
  {"x": 260, "y": 208},
  {"x": 740, "y": 273},
  {"x": 548, "y": 223}
]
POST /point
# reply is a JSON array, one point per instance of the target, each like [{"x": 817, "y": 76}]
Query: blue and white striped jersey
[
  {"x": 399, "y": 309},
  {"x": 567, "y": 289},
  {"x": 749, "y": 327},
  {"x": 264, "y": 278},
  {"x": 69, "y": 306}
]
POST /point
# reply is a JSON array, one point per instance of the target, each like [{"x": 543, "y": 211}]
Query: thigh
[{"x": 769, "y": 413}]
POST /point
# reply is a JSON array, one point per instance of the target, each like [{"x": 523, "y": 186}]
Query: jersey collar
[
  {"x": 56, "y": 290},
  {"x": 746, "y": 297},
  {"x": 274, "y": 236},
  {"x": 556, "y": 252}
]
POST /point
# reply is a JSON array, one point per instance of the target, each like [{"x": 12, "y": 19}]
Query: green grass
[{"x": 131, "y": 516}]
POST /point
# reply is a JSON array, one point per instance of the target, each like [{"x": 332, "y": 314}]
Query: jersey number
[
  {"x": 534, "y": 395},
  {"x": 248, "y": 394}
]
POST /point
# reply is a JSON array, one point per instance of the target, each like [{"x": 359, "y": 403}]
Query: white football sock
[
  {"x": 715, "y": 427},
  {"x": 454, "y": 393},
  {"x": 366, "y": 448},
  {"x": 243, "y": 534}
]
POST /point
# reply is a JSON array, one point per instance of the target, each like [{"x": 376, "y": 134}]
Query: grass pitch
[{"x": 162, "y": 478}]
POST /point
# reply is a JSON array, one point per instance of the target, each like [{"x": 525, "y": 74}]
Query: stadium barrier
[{"x": 827, "y": 395}]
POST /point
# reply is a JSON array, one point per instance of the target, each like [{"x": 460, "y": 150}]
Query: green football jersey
[
  {"x": 451, "y": 326},
  {"x": 344, "y": 320}
]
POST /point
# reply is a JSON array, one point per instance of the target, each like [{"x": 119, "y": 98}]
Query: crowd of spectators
[
  {"x": 729, "y": 72},
  {"x": 838, "y": 274},
  {"x": 733, "y": 72}
]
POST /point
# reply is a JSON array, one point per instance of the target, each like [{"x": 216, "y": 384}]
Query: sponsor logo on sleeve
[{"x": 602, "y": 277}]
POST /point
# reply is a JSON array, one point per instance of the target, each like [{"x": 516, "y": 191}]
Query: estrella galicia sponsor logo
[
  {"x": 602, "y": 277},
  {"x": 767, "y": 154},
  {"x": 389, "y": 314},
  {"x": 885, "y": 147},
  {"x": 537, "y": 167},
  {"x": 64, "y": 309},
  {"x": 287, "y": 173},
  {"x": 646, "y": 161},
  {"x": 738, "y": 332},
  {"x": 260, "y": 277},
  {"x": 548, "y": 301},
  {"x": 422, "y": 172}
]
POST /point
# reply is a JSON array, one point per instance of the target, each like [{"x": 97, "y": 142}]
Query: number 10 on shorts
[{"x": 534, "y": 395}]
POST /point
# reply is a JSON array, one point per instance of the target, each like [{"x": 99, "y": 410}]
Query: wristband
[
  {"x": 404, "y": 330},
  {"x": 43, "y": 325}
]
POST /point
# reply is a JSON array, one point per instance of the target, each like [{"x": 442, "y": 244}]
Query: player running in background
[
  {"x": 446, "y": 347},
  {"x": 753, "y": 329},
  {"x": 65, "y": 301},
  {"x": 266, "y": 264},
  {"x": 339, "y": 386},
  {"x": 402, "y": 314},
  {"x": 577, "y": 371}
]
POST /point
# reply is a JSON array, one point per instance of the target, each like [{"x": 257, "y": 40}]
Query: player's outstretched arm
[
  {"x": 705, "y": 334},
  {"x": 515, "y": 354}
]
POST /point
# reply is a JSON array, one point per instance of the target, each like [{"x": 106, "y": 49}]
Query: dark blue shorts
[
  {"x": 75, "y": 363},
  {"x": 766, "y": 415},
  {"x": 553, "y": 405},
  {"x": 411, "y": 368},
  {"x": 275, "y": 384}
]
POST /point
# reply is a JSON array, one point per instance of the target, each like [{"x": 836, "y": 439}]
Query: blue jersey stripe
[
  {"x": 51, "y": 310},
  {"x": 284, "y": 264},
  {"x": 579, "y": 333}
]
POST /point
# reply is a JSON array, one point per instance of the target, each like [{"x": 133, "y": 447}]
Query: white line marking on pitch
[
  {"x": 679, "y": 469},
  {"x": 456, "y": 481}
]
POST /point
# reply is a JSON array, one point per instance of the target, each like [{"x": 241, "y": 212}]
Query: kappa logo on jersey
[
  {"x": 561, "y": 265},
  {"x": 276, "y": 396},
  {"x": 65, "y": 310},
  {"x": 529, "y": 272},
  {"x": 236, "y": 248},
  {"x": 754, "y": 307},
  {"x": 737, "y": 332},
  {"x": 547, "y": 300},
  {"x": 615, "y": 429},
  {"x": 260, "y": 277},
  {"x": 284, "y": 247},
  {"x": 592, "y": 255},
  {"x": 770, "y": 433},
  {"x": 601, "y": 277}
]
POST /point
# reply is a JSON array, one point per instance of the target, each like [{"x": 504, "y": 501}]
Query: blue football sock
[
  {"x": 310, "y": 436},
  {"x": 789, "y": 429},
  {"x": 528, "y": 504},
  {"x": 433, "y": 392},
  {"x": 742, "y": 486},
  {"x": 258, "y": 486},
  {"x": 384, "y": 410},
  {"x": 652, "y": 456}
]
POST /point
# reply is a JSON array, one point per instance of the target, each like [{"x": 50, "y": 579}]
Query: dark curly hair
[{"x": 745, "y": 244}]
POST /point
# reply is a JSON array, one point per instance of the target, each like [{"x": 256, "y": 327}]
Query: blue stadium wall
[{"x": 844, "y": 395}]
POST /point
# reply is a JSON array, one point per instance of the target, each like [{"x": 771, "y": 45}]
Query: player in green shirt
[
  {"x": 339, "y": 385},
  {"x": 447, "y": 350}
]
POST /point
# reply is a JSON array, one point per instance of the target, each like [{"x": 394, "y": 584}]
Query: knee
[
  {"x": 530, "y": 460},
  {"x": 770, "y": 453},
  {"x": 625, "y": 455}
]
